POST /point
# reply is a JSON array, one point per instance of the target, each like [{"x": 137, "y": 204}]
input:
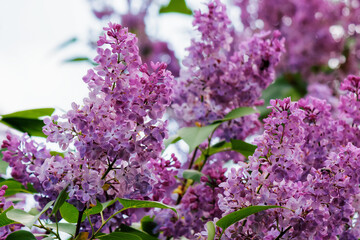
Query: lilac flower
[
  {"x": 6, "y": 230},
  {"x": 316, "y": 32},
  {"x": 134, "y": 19},
  {"x": 219, "y": 78},
  {"x": 302, "y": 165},
  {"x": 116, "y": 131}
]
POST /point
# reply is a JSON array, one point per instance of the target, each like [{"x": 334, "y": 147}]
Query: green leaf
[
  {"x": 193, "y": 175},
  {"x": 31, "y": 188},
  {"x": 4, "y": 220},
  {"x": 33, "y": 211},
  {"x": 27, "y": 120},
  {"x": 54, "y": 153},
  {"x": 80, "y": 59},
  {"x": 45, "y": 238},
  {"x": 242, "y": 147},
  {"x": 67, "y": 43},
  {"x": 63, "y": 195},
  {"x": 15, "y": 187},
  {"x": 94, "y": 210},
  {"x": 64, "y": 227},
  {"x": 238, "y": 113},
  {"x": 129, "y": 203},
  {"x": 30, "y": 114},
  {"x": 22, "y": 217},
  {"x": 148, "y": 225},
  {"x": 70, "y": 213},
  {"x": 176, "y": 6},
  {"x": 171, "y": 140},
  {"x": 236, "y": 216},
  {"x": 216, "y": 148},
  {"x": 31, "y": 126},
  {"x": 120, "y": 236},
  {"x": 3, "y": 165},
  {"x": 21, "y": 235},
  {"x": 141, "y": 234},
  {"x": 26, "y": 218},
  {"x": 210, "y": 230},
  {"x": 107, "y": 204},
  {"x": 194, "y": 136},
  {"x": 287, "y": 85}
]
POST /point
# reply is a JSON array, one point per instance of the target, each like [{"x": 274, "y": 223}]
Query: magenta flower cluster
[
  {"x": 110, "y": 137},
  {"x": 221, "y": 75},
  {"x": 306, "y": 161}
]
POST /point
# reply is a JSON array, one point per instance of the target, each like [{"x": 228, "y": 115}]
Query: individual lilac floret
[{"x": 219, "y": 77}]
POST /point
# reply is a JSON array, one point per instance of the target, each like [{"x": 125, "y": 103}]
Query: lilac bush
[{"x": 298, "y": 179}]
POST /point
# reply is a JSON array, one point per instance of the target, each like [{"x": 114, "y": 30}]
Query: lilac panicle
[
  {"x": 4, "y": 204},
  {"x": 303, "y": 163},
  {"x": 150, "y": 49},
  {"x": 120, "y": 123},
  {"x": 110, "y": 138},
  {"x": 316, "y": 31},
  {"x": 219, "y": 77},
  {"x": 350, "y": 102}
]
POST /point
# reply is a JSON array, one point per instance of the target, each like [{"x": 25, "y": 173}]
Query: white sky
[{"x": 33, "y": 74}]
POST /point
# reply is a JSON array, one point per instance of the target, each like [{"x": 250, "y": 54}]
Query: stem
[
  {"x": 79, "y": 222},
  {"x": 282, "y": 135},
  {"x": 57, "y": 225},
  {"x": 92, "y": 228},
  {"x": 192, "y": 162},
  {"x": 104, "y": 222},
  {"x": 207, "y": 155},
  {"x": 108, "y": 169},
  {"x": 185, "y": 182},
  {"x": 193, "y": 157},
  {"x": 222, "y": 232},
  {"x": 282, "y": 233},
  {"x": 47, "y": 229},
  {"x": 261, "y": 184}
]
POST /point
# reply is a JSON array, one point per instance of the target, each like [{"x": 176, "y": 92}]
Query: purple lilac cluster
[
  {"x": 32, "y": 163},
  {"x": 4, "y": 205},
  {"x": 305, "y": 163},
  {"x": 348, "y": 109},
  {"x": 150, "y": 49},
  {"x": 316, "y": 32},
  {"x": 199, "y": 205},
  {"x": 350, "y": 103},
  {"x": 219, "y": 77},
  {"x": 165, "y": 172},
  {"x": 109, "y": 139}
]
